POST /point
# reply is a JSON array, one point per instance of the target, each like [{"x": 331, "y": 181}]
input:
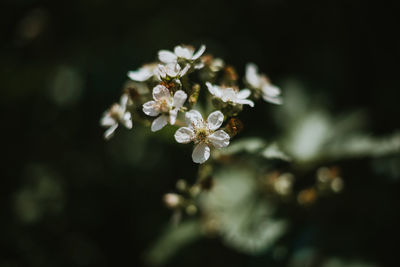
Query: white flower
[
  {"x": 164, "y": 104},
  {"x": 144, "y": 73},
  {"x": 230, "y": 95},
  {"x": 115, "y": 115},
  {"x": 171, "y": 71},
  {"x": 203, "y": 134},
  {"x": 270, "y": 92},
  {"x": 185, "y": 53}
]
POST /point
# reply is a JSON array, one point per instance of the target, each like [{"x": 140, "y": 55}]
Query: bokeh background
[{"x": 68, "y": 198}]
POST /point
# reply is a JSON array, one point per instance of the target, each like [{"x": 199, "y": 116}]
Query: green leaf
[{"x": 172, "y": 240}]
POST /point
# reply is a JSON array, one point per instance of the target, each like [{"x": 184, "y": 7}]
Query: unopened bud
[
  {"x": 172, "y": 200},
  {"x": 234, "y": 127},
  {"x": 230, "y": 74},
  {"x": 194, "y": 190},
  {"x": 337, "y": 185},
  {"x": 181, "y": 185},
  {"x": 195, "y": 94},
  {"x": 191, "y": 209},
  {"x": 307, "y": 196},
  {"x": 283, "y": 184},
  {"x": 323, "y": 175}
]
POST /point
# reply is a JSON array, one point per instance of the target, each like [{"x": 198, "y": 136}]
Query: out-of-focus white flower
[
  {"x": 144, "y": 73},
  {"x": 203, "y": 133},
  {"x": 115, "y": 115},
  {"x": 171, "y": 71},
  {"x": 270, "y": 92},
  {"x": 230, "y": 95},
  {"x": 164, "y": 104},
  {"x": 217, "y": 64},
  {"x": 182, "y": 53}
]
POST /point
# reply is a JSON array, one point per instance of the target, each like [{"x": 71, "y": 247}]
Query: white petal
[
  {"x": 183, "y": 52},
  {"x": 214, "y": 90},
  {"x": 199, "y": 65},
  {"x": 124, "y": 101},
  {"x": 161, "y": 71},
  {"x": 110, "y": 131},
  {"x": 193, "y": 117},
  {"x": 179, "y": 98},
  {"x": 251, "y": 75},
  {"x": 271, "y": 90},
  {"x": 173, "y": 69},
  {"x": 201, "y": 153},
  {"x": 159, "y": 123},
  {"x": 199, "y": 52},
  {"x": 215, "y": 120},
  {"x": 166, "y": 56},
  {"x": 228, "y": 94},
  {"x": 184, "y": 70},
  {"x": 184, "y": 135},
  {"x": 107, "y": 120},
  {"x": 148, "y": 108},
  {"x": 160, "y": 92},
  {"x": 245, "y": 102},
  {"x": 211, "y": 88},
  {"x": 245, "y": 93},
  {"x": 127, "y": 120},
  {"x": 140, "y": 75},
  {"x": 273, "y": 100},
  {"x": 219, "y": 139},
  {"x": 172, "y": 116}
]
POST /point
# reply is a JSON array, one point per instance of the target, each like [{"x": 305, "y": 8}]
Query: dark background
[{"x": 100, "y": 204}]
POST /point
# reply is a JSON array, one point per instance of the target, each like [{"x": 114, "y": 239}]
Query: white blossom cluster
[{"x": 173, "y": 92}]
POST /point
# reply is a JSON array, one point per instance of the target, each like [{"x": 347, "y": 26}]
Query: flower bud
[
  {"x": 181, "y": 185},
  {"x": 230, "y": 75},
  {"x": 233, "y": 127},
  {"x": 307, "y": 196},
  {"x": 337, "y": 185},
  {"x": 191, "y": 209},
  {"x": 172, "y": 200},
  {"x": 195, "y": 94},
  {"x": 283, "y": 184}
]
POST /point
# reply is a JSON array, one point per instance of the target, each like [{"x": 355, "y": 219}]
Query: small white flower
[
  {"x": 230, "y": 95},
  {"x": 115, "y": 115},
  {"x": 203, "y": 134},
  {"x": 270, "y": 92},
  {"x": 171, "y": 71},
  {"x": 144, "y": 73},
  {"x": 184, "y": 53},
  {"x": 164, "y": 104}
]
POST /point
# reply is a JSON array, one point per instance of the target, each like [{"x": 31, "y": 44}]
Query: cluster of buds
[
  {"x": 327, "y": 182},
  {"x": 185, "y": 197},
  {"x": 172, "y": 87}
]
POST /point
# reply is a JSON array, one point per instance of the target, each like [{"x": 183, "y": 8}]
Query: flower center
[
  {"x": 201, "y": 135},
  {"x": 164, "y": 106}
]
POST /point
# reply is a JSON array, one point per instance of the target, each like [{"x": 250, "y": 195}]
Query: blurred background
[{"x": 69, "y": 198}]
